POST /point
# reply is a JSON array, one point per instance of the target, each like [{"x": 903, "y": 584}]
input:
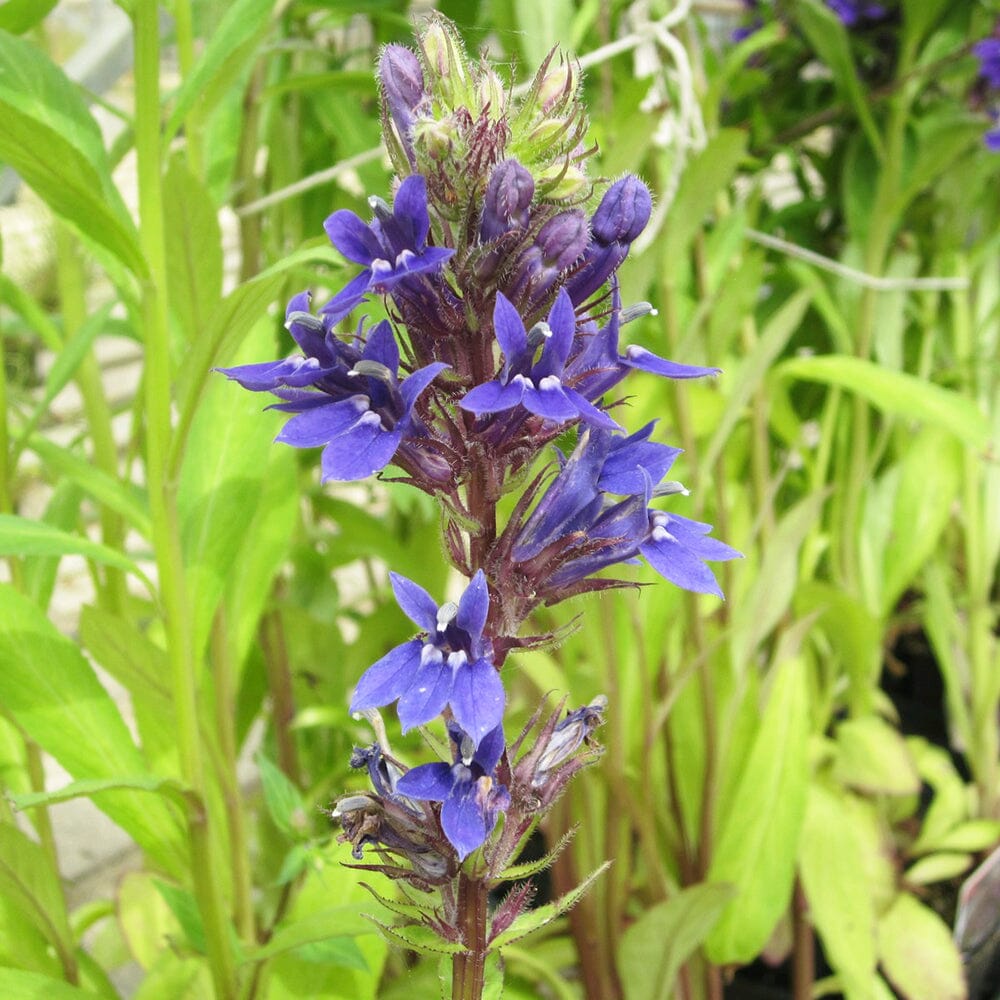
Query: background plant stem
[{"x": 163, "y": 500}]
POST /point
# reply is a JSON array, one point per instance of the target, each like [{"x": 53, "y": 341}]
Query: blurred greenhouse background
[{"x": 795, "y": 782}]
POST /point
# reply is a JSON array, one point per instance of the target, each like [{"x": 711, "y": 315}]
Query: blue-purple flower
[
  {"x": 852, "y": 12},
  {"x": 536, "y": 385},
  {"x": 346, "y": 398},
  {"x": 595, "y": 364},
  {"x": 988, "y": 53},
  {"x": 471, "y": 796},
  {"x": 578, "y": 528},
  {"x": 393, "y": 247},
  {"x": 450, "y": 666}
]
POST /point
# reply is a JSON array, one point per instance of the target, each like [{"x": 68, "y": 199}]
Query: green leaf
[
  {"x": 873, "y": 757},
  {"x": 919, "y": 514},
  {"x": 16, "y": 984},
  {"x": 335, "y": 927},
  {"x": 832, "y": 866},
  {"x": 21, "y": 536},
  {"x": 418, "y": 938},
  {"x": 527, "y": 869},
  {"x": 532, "y": 920},
  {"x": 917, "y": 953},
  {"x": 144, "y": 917},
  {"x": 227, "y": 54},
  {"x": 773, "y": 586},
  {"x": 63, "y": 513},
  {"x": 66, "y": 363},
  {"x": 543, "y": 26},
  {"x": 937, "y": 868},
  {"x": 19, "y": 16},
  {"x": 282, "y": 798},
  {"x": 828, "y": 36},
  {"x": 759, "y": 832},
  {"x": 51, "y": 692},
  {"x": 88, "y": 787},
  {"x": 51, "y": 140},
  {"x": 28, "y": 877},
  {"x": 123, "y": 498},
  {"x": 185, "y": 909},
  {"x": 705, "y": 176},
  {"x": 175, "y": 978},
  {"x": 920, "y": 15},
  {"x": 194, "y": 249},
  {"x": 654, "y": 948},
  {"x": 894, "y": 393},
  {"x": 741, "y": 386}
]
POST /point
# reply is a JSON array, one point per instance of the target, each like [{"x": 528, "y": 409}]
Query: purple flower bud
[
  {"x": 508, "y": 198},
  {"x": 402, "y": 82},
  {"x": 623, "y": 212},
  {"x": 563, "y": 239}
]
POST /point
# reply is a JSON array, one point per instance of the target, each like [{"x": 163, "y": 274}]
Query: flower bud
[
  {"x": 563, "y": 239},
  {"x": 557, "y": 84},
  {"x": 444, "y": 60},
  {"x": 402, "y": 82},
  {"x": 508, "y": 197},
  {"x": 492, "y": 94},
  {"x": 623, "y": 212},
  {"x": 561, "y": 181}
]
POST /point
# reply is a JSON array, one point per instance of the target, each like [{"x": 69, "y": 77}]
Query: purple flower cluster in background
[
  {"x": 503, "y": 334},
  {"x": 988, "y": 53}
]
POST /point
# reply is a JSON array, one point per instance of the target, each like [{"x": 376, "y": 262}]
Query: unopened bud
[
  {"x": 561, "y": 181},
  {"x": 507, "y": 200},
  {"x": 623, "y": 212},
  {"x": 563, "y": 239},
  {"x": 558, "y": 83},
  {"x": 492, "y": 94},
  {"x": 436, "y": 137}
]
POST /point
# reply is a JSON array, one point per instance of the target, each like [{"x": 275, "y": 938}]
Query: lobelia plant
[{"x": 502, "y": 338}]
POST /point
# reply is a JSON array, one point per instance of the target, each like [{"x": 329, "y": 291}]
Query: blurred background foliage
[{"x": 795, "y": 782}]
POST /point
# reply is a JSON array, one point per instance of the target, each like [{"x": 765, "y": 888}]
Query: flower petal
[
  {"x": 415, "y": 602},
  {"x": 592, "y": 414},
  {"x": 361, "y": 451},
  {"x": 409, "y": 209},
  {"x": 493, "y": 397},
  {"x": 647, "y": 361},
  {"x": 351, "y": 295},
  {"x": 477, "y": 698},
  {"x": 321, "y": 424},
  {"x": 382, "y": 347},
  {"x": 549, "y": 400},
  {"x": 265, "y": 376},
  {"x": 473, "y": 608},
  {"x": 509, "y": 329},
  {"x": 388, "y": 678},
  {"x": 490, "y": 750},
  {"x": 680, "y": 566},
  {"x": 562, "y": 322},
  {"x": 427, "y": 695},
  {"x": 428, "y": 781},
  {"x": 463, "y": 821},
  {"x": 413, "y": 385},
  {"x": 352, "y": 237}
]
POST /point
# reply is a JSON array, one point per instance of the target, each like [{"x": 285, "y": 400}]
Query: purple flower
[
  {"x": 578, "y": 529},
  {"x": 393, "y": 248},
  {"x": 451, "y": 666},
  {"x": 470, "y": 795},
  {"x": 535, "y": 385},
  {"x": 346, "y": 398},
  {"x": 988, "y": 53},
  {"x": 851, "y": 12},
  {"x": 595, "y": 366}
]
